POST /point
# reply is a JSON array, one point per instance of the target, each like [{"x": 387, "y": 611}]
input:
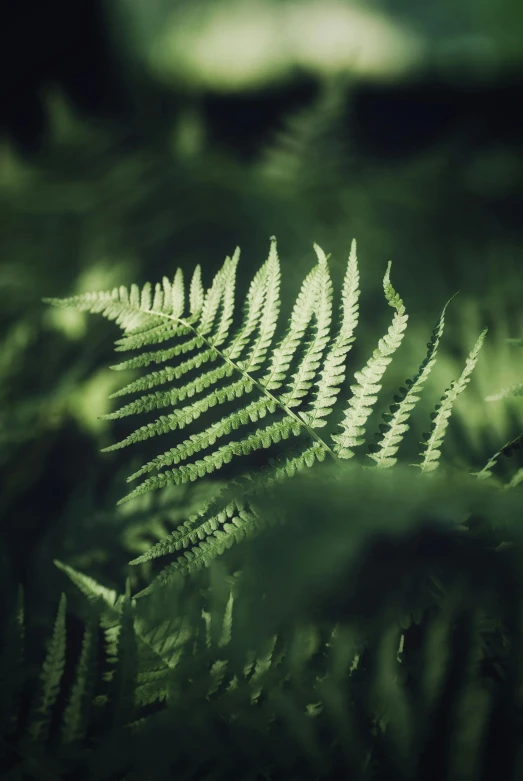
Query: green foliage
[
  {"x": 395, "y": 426},
  {"x": 308, "y": 157},
  {"x": 76, "y": 714},
  {"x": 54, "y": 737},
  {"x": 295, "y": 382},
  {"x": 12, "y": 666},
  {"x": 301, "y": 664},
  {"x": 52, "y": 671},
  {"x": 309, "y": 676},
  {"x": 515, "y": 444},
  {"x": 440, "y": 417}
]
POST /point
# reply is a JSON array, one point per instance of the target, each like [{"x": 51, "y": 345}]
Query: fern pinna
[
  {"x": 509, "y": 448},
  {"x": 294, "y": 384}
]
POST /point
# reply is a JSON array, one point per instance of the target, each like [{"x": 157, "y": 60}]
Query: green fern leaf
[
  {"x": 50, "y": 677},
  {"x": 76, "y": 715},
  {"x": 333, "y": 372},
  {"x": 396, "y": 420},
  {"x": 514, "y": 390},
  {"x": 130, "y": 309},
  {"x": 196, "y": 294},
  {"x": 507, "y": 450},
  {"x": 89, "y": 586},
  {"x": 316, "y": 284},
  {"x": 515, "y": 480},
  {"x": 293, "y": 388},
  {"x": 256, "y": 298},
  {"x": 505, "y": 393},
  {"x": 433, "y": 441},
  {"x": 365, "y": 392},
  {"x": 123, "y": 681},
  {"x": 262, "y": 665}
]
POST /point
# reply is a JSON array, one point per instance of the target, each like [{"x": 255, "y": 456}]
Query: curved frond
[
  {"x": 440, "y": 417},
  {"x": 368, "y": 379},
  {"x": 395, "y": 421},
  {"x": 89, "y": 586},
  {"x": 129, "y": 308},
  {"x": 505, "y": 393},
  {"x": 50, "y": 677},
  {"x": 76, "y": 715},
  {"x": 333, "y": 371},
  {"x": 507, "y": 450},
  {"x": 280, "y": 391}
]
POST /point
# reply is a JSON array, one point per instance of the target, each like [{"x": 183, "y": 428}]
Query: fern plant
[
  {"x": 40, "y": 745},
  {"x": 294, "y": 384},
  {"x": 68, "y": 732},
  {"x": 236, "y": 696},
  {"x": 509, "y": 448},
  {"x": 308, "y": 156}
]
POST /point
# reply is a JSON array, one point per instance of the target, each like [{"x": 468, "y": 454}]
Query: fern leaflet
[
  {"x": 51, "y": 675},
  {"x": 440, "y": 417}
]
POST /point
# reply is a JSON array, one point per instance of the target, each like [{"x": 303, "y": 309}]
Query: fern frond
[
  {"x": 510, "y": 447},
  {"x": 309, "y": 154},
  {"x": 93, "y": 590},
  {"x": 395, "y": 421},
  {"x": 259, "y": 293},
  {"x": 197, "y": 526},
  {"x": 368, "y": 379},
  {"x": 262, "y": 665},
  {"x": 212, "y": 541},
  {"x": 301, "y": 382},
  {"x": 313, "y": 299},
  {"x": 152, "y": 686},
  {"x": 515, "y": 480},
  {"x": 507, "y": 450},
  {"x": 293, "y": 386},
  {"x": 123, "y": 681},
  {"x": 333, "y": 372},
  {"x": 226, "y": 633},
  {"x": 129, "y": 308},
  {"x": 196, "y": 292},
  {"x": 219, "y": 300},
  {"x": 76, "y": 714},
  {"x": 50, "y": 677},
  {"x": 505, "y": 393},
  {"x": 514, "y": 390},
  {"x": 316, "y": 292},
  {"x": 440, "y": 417}
]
